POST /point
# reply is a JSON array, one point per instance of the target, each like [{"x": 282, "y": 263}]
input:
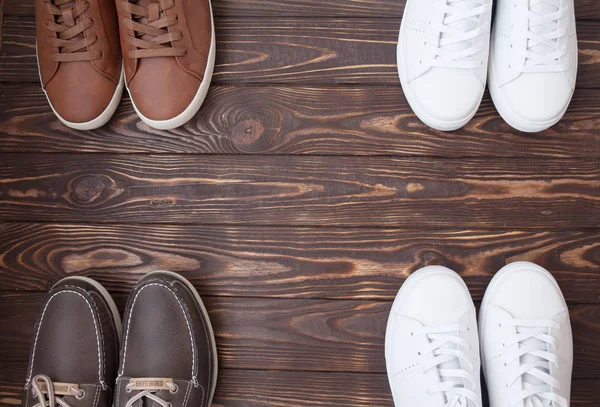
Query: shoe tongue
[
  {"x": 144, "y": 20},
  {"x": 542, "y": 9},
  {"x": 530, "y": 380},
  {"x": 465, "y": 25},
  {"x": 452, "y": 364},
  {"x": 68, "y": 20}
]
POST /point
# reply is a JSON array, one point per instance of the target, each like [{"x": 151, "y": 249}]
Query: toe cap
[
  {"x": 446, "y": 99},
  {"x": 79, "y": 93},
  {"x": 161, "y": 90},
  {"x": 538, "y": 99},
  {"x": 526, "y": 291},
  {"x": 434, "y": 295}
]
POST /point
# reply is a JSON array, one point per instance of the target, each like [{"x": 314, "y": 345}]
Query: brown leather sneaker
[
  {"x": 79, "y": 59},
  {"x": 75, "y": 348},
  {"x": 169, "y": 56},
  {"x": 169, "y": 356}
]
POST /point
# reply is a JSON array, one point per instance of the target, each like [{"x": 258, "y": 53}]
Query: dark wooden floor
[{"x": 297, "y": 201}]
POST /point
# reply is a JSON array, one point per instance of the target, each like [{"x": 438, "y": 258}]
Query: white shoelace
[
  {"x": 151, "y": 395},
  {"x": 460, "y": 34},
  {"x": 535, "y": 353},
  {"x": 39, "y": 392},
  {"x": 542, "y": 52},
  {"x": 446, "y": 352}
]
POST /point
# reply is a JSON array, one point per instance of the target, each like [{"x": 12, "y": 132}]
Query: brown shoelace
[
  {"x": 150, "y": 24},
  {"x": 72, "y": 44}
]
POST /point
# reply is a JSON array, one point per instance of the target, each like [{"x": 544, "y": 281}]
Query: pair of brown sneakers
[
  {"x": 167, "y": 357},
  {"x": 163, "y": 51}
]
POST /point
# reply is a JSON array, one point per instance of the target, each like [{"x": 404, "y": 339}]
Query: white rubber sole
[
  {"x": 509, "y": 268},
  {"x": 424, "y": 117},
  {"x": 198, "y": 99},
  {"x": 509, "y": 116},
  {"x": 210, "y": 328},
  {"x": 98, "y": 121},
  {"x": 109, "y": 300}
]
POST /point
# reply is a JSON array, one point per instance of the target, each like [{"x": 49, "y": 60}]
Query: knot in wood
[
  {"x": 247, "y": 135},
  {"x": 87, "y": 189}
]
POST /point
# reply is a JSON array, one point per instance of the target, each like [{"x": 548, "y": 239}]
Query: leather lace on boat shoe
[
  {"x": 169, "y": 356},
  {"x": 75, "y": 349},
  {"x": 79, "y": 59},
  {"x": 169, "y": 55}
]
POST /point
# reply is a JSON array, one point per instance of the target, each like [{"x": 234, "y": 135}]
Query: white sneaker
[
  {"x": 431, "y": 342},
  {"x": 533, "y": 61},
  {"x": 442, "y": 55},
  {"x": 526, "y": 342}
]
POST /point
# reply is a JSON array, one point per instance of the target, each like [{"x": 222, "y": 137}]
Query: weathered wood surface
[
  {"x": 288, "y": 262},
  {"x": 298, "y": 120},
  {"x": 299, "y": 309},
  {"x": 584, "y": 9},
  {"x": 252, "y": 388},
  {"x": 324, "y": 191},
  {"x": 290, "y": 51},
  {"x": 290, "y": 334}
]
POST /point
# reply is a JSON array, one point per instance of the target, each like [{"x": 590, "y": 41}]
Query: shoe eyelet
[
  {"x": 499, "y": 324},
  {"x": 128, "y": 389},
  {"x": 79, "y": 397},
  {"x": 419, "y": 353},
  {"x": 175, "y": 390}
]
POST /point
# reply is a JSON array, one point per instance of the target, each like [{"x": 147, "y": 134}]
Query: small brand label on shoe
[
  {"x": 60, "y": 389},
  {"x": 150, "y": 383}
]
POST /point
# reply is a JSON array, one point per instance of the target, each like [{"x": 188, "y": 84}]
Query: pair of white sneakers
[
  {"x": 443, "y": 53},
  {"x": 432, "y": 345}
]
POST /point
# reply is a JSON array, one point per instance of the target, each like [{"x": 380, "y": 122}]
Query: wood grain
[
  {"x": 288, "y": 262},
  {"x": 585, "y": 9},
  {"x": 288, "y": 334},
  {"x": 298, "y": 120},
  {"x": 252, "y": 388},
  {"x": 334, "y": 191},
  {"x": 290, "y": 51}
]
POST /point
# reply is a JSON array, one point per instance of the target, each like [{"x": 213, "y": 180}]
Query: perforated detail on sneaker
[
  {"x": 408, "y": 372},
  {"x": 419, "y": 26}
]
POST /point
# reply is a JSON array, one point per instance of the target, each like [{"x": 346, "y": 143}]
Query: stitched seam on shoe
[
  {"x": 206, "y": 330},
  {"x": 118, "y": 395},
  {"x": 27, "y": 392},
  {"x": 42, "y": 320},
  {"x": 203, "y": 395},
  {"x": 102, "y": 336},
  {"x": 184, "y": 316},
  {"x": 187, "y": 394},
  {"x": 97, "y": 396}
]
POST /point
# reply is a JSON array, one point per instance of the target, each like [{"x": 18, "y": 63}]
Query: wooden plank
[
  {"x": 298, "y": 120},
  {"x": 290, "y": 51},
  {"x": 252, "y": 388},
  {"x": 288, "y": 262},
  {"x": 286, "y": 334},
  {"x": 585, "y": 9},
  {"x": 310, "y": 191}
]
